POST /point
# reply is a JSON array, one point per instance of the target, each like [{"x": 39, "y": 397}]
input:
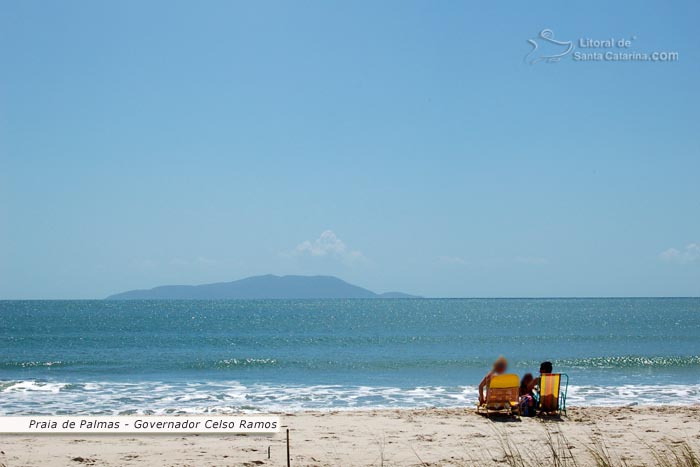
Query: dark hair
[
  {"x": 527, "y": 379},
  {"x": 546, "y": 367}
]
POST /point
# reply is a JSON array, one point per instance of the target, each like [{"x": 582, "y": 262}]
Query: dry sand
[{"x": 429, "y": 437}]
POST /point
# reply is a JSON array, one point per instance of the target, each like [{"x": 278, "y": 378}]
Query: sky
[{"x": 399, "y": 145}]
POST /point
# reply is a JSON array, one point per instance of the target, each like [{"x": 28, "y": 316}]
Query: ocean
[{"x": 165, "y": 357}]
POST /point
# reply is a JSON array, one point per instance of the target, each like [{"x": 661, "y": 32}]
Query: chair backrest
[
  {"x": 503, "y": 389},
  {"x": 549, "y": 391}
]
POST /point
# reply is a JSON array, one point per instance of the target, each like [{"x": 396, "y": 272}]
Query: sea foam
[{"x": 108, "y": 398}]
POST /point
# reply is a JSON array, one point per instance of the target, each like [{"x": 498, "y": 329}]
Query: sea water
[{"x": 126, "y": 357}]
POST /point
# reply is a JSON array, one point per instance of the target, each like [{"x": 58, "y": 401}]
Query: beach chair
[
  {"x": 502, "y": 395},
  {"x": 552, "y": 399}
]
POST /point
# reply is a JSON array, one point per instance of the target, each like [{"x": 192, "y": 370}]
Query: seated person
[
  {"x": 545, "y": 368},
  {"x": 534, "y": 386},
  {"x": 527, "y": 398},
  {"x": 499, "y": 367}
]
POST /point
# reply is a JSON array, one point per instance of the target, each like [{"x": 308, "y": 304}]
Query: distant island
[{"x": 260, "y": 287}]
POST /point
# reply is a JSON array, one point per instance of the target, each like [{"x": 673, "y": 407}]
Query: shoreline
[
  {"x": 108, "y": 398},
  {"x": 389, "y": 437}
]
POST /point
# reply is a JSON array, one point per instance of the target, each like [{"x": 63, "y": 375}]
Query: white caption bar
[{"x": 144, "y": 424}]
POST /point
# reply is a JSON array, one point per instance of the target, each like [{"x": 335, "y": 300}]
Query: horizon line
[{"x": 580, "y": 297}]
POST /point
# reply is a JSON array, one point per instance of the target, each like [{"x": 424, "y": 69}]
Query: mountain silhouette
[{"x": 260, "y": 287}]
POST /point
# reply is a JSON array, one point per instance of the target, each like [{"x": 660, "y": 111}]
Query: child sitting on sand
[
  {"x": 527, "y": 398},
  {"x": 499, "y": 367}
]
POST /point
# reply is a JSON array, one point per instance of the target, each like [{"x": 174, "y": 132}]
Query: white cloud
[
  {"x": 689, "y": 254},
  {"x": 328, "y": 245},
  {"x": 145, "y": 263},
  {"x": 205, "y": 261},
  {"x": 451, "y": 260}
]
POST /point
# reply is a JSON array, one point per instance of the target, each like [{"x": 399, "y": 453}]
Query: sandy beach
[{"x": 428, "y": 437}]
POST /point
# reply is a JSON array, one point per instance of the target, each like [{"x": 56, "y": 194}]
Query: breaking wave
[{"x": 109, "y": 398}]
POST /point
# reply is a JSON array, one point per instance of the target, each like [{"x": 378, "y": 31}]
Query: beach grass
[{"x": 557, "y": 451}]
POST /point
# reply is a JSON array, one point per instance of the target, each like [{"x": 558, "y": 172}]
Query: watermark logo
[{"x": 545, "y": 48}]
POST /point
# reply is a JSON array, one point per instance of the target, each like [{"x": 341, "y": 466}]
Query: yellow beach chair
[
  {"x": 502, "y": 395},
  {"x": 552, "y": 398}
]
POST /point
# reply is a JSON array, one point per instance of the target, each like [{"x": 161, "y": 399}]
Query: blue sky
[{"x": 398, "y": 145}]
